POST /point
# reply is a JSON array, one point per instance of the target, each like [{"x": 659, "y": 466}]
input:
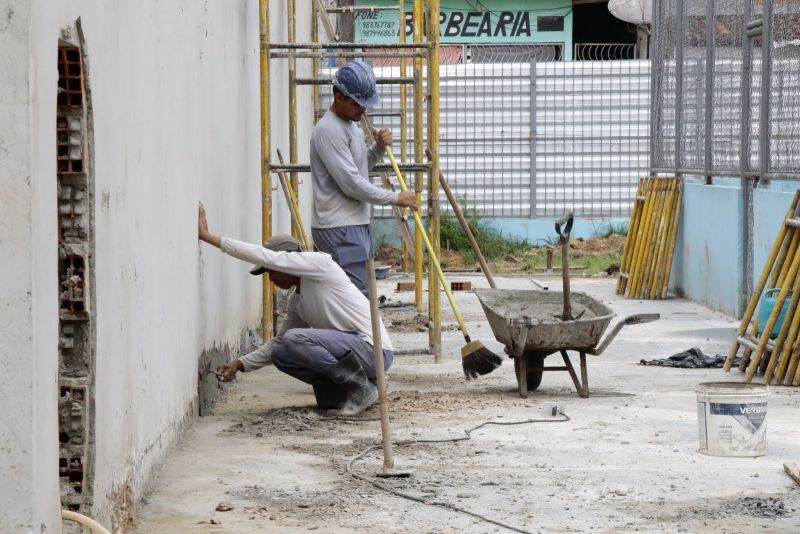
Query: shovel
[{"x": 563, "y": 239}]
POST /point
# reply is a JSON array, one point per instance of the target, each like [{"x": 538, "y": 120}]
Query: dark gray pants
[
  {"x": 307, "y": 353},
  {"x": 350, "y": 247}
]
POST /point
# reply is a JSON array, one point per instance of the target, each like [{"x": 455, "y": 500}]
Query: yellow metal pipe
[
  {"x": 796, "y": 381},
  {"x": 773, "y": 278},
  {"x": 793, "y": 374},
  {"x": 657, "y": 240},
  {"x": 403, "y": 112},
  {"x": 786, "y": 337},
  {"x": 641, "y": 240},
  {"x": 673, "y": 237},
  {"x": 418, "y": 97},
  {"x": 657, "y": 279},
  {"x": 315, "y": 63},
  {"x": 291, "y": 14},
  {"x": 794, "y": 243},
  {"x": 636, "y": 212},
  {"x": 638, "y": 243},
  {"x": 759, "y": 287},
  {"x": 434, "y": 299},
  {"x": 266, "y": 179},
  {"x": 794, "y": 237},
  {"x": 773, "y": 317},
  {"x": 294, "y": 208},
  {"x": 655, "y": 225},
  {"x": 659, "y": 231},
  {"x": 657, "y": 236}
]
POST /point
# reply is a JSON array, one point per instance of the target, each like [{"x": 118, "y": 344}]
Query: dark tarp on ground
[{"x": 689, "y": 359}]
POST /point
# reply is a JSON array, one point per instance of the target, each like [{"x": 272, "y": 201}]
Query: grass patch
[
  {"x": 492, "y": 243},
  {"x": 588, "y": 265},
  {"x": 611, "y": 229}
]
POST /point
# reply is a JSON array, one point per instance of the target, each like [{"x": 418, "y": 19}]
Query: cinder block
[
  {"x": 405, "y": 286},
  {"x": 460, "y": 286}
]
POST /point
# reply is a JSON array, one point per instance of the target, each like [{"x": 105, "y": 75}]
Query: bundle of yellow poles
[
  {"x": 650, "y": 243},
  {"x": 779, "y": 358}
]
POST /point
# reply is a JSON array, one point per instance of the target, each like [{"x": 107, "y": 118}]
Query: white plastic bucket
[{"x": 732, "y": 417}]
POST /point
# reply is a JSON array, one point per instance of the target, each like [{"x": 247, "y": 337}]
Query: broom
[{"x": 475, "y": 358}]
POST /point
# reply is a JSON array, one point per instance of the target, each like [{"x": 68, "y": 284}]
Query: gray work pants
[
  {"x": 350, "y": 247},
  {"x": 308, "y": 353}
]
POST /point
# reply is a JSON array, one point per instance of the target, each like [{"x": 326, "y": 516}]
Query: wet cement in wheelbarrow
[
  {"x": 539, "y": 307},
  {"x": 547, "y": 312}
]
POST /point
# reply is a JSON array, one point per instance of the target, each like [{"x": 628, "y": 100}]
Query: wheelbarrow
[{"x": 529, "y": 324}]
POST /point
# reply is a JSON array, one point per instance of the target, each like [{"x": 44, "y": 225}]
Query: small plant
[
  {"x": 491, "y": 242},
  {"x": 611, "y": 229}
]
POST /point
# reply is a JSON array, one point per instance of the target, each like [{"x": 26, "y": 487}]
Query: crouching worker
[{"x": 325, "y": 339}]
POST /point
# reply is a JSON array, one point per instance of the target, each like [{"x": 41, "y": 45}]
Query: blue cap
[{"x": 356, "y": 80}]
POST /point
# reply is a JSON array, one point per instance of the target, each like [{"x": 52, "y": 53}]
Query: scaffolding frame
[{"x": 417, "y": 51}]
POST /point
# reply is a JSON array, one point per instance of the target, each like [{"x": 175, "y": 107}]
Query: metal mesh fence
[
  {"x": 784, "y": 96},
  {"x": 663, "y": 99},
  {"x": 691, "y": 147},
  {"x": 707, "y": 87}
]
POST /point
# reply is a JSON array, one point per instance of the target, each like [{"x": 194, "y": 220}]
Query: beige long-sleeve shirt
[{"x": 325, "y": 298}]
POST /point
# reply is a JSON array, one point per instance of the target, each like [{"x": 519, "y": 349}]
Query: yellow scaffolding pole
[
  {"x": 315, "y": 63},
  {"x": 266, "y": 179},
  {"x": 291, "y": 13},
  {"x": 434, "y": 298},
  {"x": 418, "y": 150},
  {"x": 403, "y": 118}
]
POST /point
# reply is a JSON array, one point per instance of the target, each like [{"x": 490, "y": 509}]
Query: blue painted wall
[
  {"x": 708, "y": 255},
  {"x": 769, "y": 209},
  {"x": 536, "y": 231}
]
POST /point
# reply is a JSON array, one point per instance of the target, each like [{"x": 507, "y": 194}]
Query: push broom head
[{"x": 478, "y": 360}]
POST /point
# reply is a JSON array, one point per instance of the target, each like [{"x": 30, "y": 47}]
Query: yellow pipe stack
[
  {"x": 776, "y": 359},
  {"x": 650, "y": 243}
]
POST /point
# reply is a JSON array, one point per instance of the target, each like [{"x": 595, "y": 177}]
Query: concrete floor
[{"x": 627, "y": 461}]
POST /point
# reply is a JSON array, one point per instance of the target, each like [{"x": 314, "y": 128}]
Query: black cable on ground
[{"x": 466, "y": 437}]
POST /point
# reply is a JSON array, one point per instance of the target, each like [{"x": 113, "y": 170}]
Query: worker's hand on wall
[
  {"x": 202, "y": 223},
  {"x": 407, "y": 199},
  {"x": 383, "y": 137},
  {"x": 202, "y": 228},
  {"x": 227, "y": 372}
]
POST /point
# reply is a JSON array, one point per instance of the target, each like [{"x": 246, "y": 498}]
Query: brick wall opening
[{"x": 76, "y": 345}]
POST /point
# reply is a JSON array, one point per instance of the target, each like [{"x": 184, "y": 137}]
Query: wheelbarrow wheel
[{"x": 534, "y": 369}]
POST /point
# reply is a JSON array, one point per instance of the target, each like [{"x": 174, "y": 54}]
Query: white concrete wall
[
  {"x": 28, "y": 368},
  {"x": 174, "y": 88}
]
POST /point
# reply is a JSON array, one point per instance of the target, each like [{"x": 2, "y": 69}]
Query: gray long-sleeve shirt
[
  {"x": 340, "y": 160},
  {"x": 325, "y": 299}
]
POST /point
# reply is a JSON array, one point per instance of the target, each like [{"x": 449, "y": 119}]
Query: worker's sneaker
[{"x": 350, "y": 376}]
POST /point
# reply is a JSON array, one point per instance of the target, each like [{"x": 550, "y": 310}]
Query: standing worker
[
  {"x": 340, "y": 160},
  {"x": 325, "y": 340}
]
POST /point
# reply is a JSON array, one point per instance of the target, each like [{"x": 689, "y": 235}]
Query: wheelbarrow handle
[
  {"x": 639, "y": 318},
  {"x": 567, "y": 219}
]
